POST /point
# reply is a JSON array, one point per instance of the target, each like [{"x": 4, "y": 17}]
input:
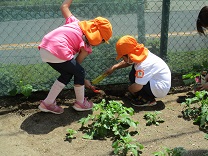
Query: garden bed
[{"x": 24, "y": 130}]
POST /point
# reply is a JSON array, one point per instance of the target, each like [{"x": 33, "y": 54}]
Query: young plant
[
  {"x": 113, "y": 120},
  {"x": 70, "y": 134},
  {"x": 196, "y": 109},
  {"x": 177, "y": 151},
  {"x": 126, "y": 144},
  {"x": 153, "y": 118},
  {"x": 190, "y": 78},
  {"x": 21, "y": 88}
]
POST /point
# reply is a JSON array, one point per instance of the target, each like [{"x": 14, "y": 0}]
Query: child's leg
[
  {"x": 61, "y": 82},
  {"x": 67, "y": 70},
  {"x": 79, "y": 92},
  {"x": 144, "y": 97},
  {"x": 81, "y": 103},
  {"x": 54, "y": 92},
  {"x": 146, "y": 92},
  {"x": 49, "y": 104}
]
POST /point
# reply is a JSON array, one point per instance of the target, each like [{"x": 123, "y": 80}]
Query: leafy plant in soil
[
  {"x": 196, "y": 109},
  {"x": 153, "y": 118},
  {"x": 70, "y": 134},
  {"x": 177, "y": 151},
  {"x": 113, "y": 120},
  {"x": 197, "y": 70},
  {"x": 21, "y": 88}
]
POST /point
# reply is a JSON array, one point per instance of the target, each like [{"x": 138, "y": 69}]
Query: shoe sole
[
  {"x": 81, "y": 109},
  {"x": 145, "y": 105},
  {"x": 48, "y": 111}
]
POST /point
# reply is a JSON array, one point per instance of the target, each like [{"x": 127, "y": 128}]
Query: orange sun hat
[
  {"x": 128, "y": 45},
  {"x": 96, "y": 30}
]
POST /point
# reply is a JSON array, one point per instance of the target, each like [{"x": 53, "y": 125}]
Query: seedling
[
  {"x": 125, "y": 145},
  {"x": 195, "y": 77},
  {"x": 70, "y": 134},
  {"x": 196, "y": 109},
  {"x": 190, "y": 78},
  {"x": 153, "y": 118},
  {"x": 113, "y": 120},
  {"x": 177, "y": 151},
  {"x": 21, "y": 88}
]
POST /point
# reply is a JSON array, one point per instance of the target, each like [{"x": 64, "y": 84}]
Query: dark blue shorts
[{"x": 69, "y": 69}]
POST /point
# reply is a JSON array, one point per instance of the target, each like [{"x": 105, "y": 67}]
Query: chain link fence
[{"x": 24, "y": 23}]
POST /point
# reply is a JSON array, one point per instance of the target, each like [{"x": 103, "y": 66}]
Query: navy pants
[
  {"x": 145, "y": 92},
  {"x": 69, "y": 69}
]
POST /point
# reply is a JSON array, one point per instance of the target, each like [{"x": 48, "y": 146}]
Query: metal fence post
[
  {"x": 164, "y": 28},
  {"x": 141, "y": 21}
]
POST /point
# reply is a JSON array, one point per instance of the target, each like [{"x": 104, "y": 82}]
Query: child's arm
[
  {"x": 119, "y": 65},
  {"x": 81, "y": 55},
  {"x": 65, "y": 8}
]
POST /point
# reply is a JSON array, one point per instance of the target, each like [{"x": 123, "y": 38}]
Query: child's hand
[{"x": 109, "y": 71}]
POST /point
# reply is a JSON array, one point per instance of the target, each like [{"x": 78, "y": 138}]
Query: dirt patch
[{"x": 24, "y": 130}]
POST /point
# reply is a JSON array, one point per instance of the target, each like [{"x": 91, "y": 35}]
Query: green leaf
[
  {"x": 113, "y": 120},
  {"x": 89, "y": 135},
  {"x": 140, "y": 146},
  {"x": 179, "y": 151},
  {"x": 206, "y": 136},
  {"x": 207, "y": 118},
  {"x": 160, "y": 153},
  {"x": 26, "y": 90},
  {"x": 133, "y": 124},
  {"x": 13, "y": 92},
  {"x": 202, "y": 121},
  {"x": 83, "y": 121},
  {"x": 115, "y": 144},
  {"x": 187, "y": 76},
  {"x": 134, "y": 151},
  {"x": 70, "y": 134}
]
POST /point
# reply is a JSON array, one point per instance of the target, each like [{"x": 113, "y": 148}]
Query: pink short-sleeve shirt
[{"x": 65, "y": 41}]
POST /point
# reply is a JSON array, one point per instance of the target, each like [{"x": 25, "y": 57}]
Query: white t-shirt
[{"x": 155, "y": 70}]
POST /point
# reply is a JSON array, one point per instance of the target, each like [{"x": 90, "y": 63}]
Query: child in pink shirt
[{"x": 58, "y": 49}]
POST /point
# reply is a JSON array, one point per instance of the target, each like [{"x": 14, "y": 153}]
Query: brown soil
[{"x": 24, "y": 130}]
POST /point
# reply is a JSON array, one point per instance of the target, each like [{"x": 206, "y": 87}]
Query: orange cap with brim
[
  {"x": 96, "y": 30},
  {"x": 128, "y": 45}
]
